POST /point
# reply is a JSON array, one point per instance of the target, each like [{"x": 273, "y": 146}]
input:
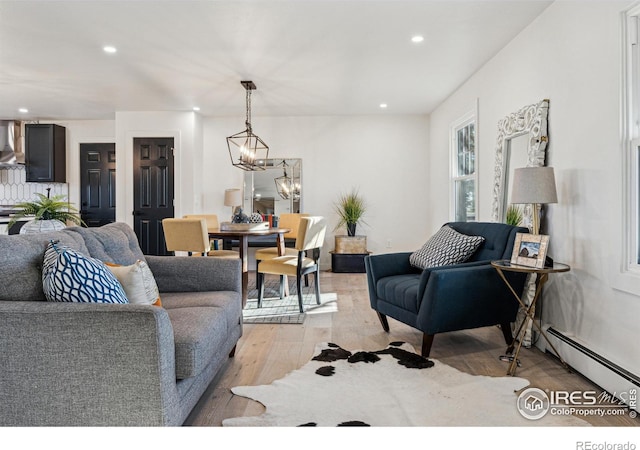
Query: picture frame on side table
[{"x": 530, "y": 250}]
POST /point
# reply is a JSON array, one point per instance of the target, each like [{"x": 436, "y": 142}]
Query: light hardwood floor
[{"x": 268, "y": 352}]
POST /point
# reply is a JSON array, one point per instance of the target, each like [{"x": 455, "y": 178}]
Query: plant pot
[
  {"x": 351, "y": 229},
  {"x": 41, "y": 226}
]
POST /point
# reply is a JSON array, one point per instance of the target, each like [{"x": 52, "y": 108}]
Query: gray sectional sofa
[{"x": 92, "y": 364}]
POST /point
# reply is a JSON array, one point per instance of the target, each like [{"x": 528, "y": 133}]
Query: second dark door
[{"x": 153, "y": 191}]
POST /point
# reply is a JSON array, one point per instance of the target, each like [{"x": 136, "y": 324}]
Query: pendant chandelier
[
  {"x": 287, "y": 187},
  {"x": 248, "y": 151}
]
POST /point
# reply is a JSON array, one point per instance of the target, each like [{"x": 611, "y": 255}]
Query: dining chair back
[
  {"x": 212, "y": 223},
  {"x": 292, "y": 222},
  {"x": 190, "y": 235}
]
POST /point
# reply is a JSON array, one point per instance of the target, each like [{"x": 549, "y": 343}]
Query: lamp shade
[
  {"x": 534, "y": 185},
  {"x": 232, "y": 197}
]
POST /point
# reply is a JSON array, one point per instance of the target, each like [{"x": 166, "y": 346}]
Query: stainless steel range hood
[{"x": 11, "y": 153}]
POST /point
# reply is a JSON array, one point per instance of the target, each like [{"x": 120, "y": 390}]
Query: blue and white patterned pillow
[
  {"x": 445, "y": 247},
  {"x": 69, "y": 276}
]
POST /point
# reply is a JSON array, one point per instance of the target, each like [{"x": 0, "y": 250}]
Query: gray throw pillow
[{"x": 445, "y": 247}]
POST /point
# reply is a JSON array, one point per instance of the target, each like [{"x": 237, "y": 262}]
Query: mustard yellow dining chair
[
  {"x": 212, "y": 223},
  {"x": 191, "y": 236},
  {"x": 286, "y": 220},
  {"x": 310, "y": 239}
]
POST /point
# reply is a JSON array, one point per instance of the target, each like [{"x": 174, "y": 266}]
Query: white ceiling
[{"x": 306, "y": 57}]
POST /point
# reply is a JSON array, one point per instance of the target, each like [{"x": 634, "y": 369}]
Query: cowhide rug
[{"x": 390, "y": 387}]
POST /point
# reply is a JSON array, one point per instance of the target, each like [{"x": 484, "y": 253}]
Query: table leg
[{"x": 542, "y": 279}]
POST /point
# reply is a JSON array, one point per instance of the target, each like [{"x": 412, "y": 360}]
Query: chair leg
[
  {"x": 427, "y": 341},
  {"x": 299, "y": 288},
  {"x": 281, "y": 286},
  {"x": 306, "y": 280},
  {"x": 317, "y": 282},
  {"x": 383, "y": 321},
  {"x": 506, "y": 332},
  {"x": 260, "y": 280}
]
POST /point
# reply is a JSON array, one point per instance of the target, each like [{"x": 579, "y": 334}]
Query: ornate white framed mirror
[{"x": 522, "y": 142}]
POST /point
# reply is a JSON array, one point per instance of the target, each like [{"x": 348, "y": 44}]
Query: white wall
[
  {"x": 571, "y": 55},
  {"x": 384, "y": 157}
]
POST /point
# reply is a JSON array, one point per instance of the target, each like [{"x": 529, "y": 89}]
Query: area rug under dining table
[{"x": 285, "y": 310}]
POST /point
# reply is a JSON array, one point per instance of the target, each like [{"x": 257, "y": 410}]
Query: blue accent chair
[{"x": 448, "y": 298}]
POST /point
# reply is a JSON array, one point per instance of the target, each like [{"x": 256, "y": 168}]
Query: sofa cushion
[
  {"x": 138, "y": 283},
  {"x": 114, "y": 242},
  {"x": 201, "y": 322},
  {"x": 400, "y": 290},
  {"x": 69, "y": 276},
  {"x": 21, "y": 257},
  {"x": 198, "y": 332},
  {"x": 445, "y": 247}
]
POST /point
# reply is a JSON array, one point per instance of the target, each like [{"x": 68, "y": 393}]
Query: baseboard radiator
[{"x": 606, "y": 374}]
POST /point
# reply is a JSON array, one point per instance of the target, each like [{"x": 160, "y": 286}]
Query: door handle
[{"x": 138, "y": 213}]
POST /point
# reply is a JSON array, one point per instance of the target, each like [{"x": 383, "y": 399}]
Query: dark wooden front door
[
  {"x": 153, "y": 191},
  {"x": 98, "y": 183}
]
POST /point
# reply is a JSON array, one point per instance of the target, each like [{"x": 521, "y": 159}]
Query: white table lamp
[
  {"x": 535, "y": 186},
  {"x": 233, "y": 198}
]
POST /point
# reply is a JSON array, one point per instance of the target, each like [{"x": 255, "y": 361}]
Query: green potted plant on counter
[{"x": 47, "y": 213}]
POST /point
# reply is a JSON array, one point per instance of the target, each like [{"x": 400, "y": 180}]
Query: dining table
[{"x": 243, "y": 237}]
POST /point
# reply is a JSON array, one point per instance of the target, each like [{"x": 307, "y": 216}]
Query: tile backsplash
[{"x": 14, "y": 188}]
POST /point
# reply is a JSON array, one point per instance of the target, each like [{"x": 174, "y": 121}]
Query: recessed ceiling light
[
  {"x": 109, "y": 49},
  {"x": 196, "y": 108},
  {"x": 383, "y": 105},
  {"x": 23, "y": 110},
  {"x": 417, "y": 38}
]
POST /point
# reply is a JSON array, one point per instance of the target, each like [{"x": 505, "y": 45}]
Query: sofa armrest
[
  {"x": 196, "y": 274},
  {"x": 476, "y": 289},
  {"x": 86, "y": 364}
]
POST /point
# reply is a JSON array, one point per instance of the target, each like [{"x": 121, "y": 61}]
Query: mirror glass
[
  {"x": 275, "y": 190},
  {"x": 515, "y": 156},
  {"x": 522, "y": 141}
]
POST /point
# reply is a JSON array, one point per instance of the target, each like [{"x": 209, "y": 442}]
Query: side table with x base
[{"x": 542, "y": 275}]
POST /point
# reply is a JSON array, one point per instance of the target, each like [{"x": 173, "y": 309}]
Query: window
[
  {"x": 464, "y": 202},
  {"x": 630, "y": 268}
]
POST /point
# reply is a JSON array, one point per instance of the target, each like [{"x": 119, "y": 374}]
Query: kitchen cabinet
[{"x": 45, "y": 153}]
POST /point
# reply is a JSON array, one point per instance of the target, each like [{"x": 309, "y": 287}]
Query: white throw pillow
[
  {"x": 138, "y": 283},
  {"x": 69, "y": 276},
  {"x": 445, "y": 247}
]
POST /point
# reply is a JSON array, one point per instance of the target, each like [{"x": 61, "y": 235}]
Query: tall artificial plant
[
  {"x": 514, "y": 215},
  {"x": 350, "y": 208}
]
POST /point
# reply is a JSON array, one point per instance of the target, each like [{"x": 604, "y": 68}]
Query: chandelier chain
[{"x": 248, "y": 120}]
